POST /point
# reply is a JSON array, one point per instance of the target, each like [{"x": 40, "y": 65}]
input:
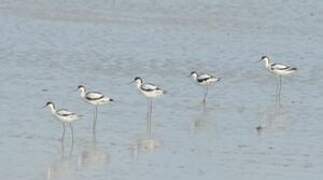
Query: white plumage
[
  {"x": 282, "y": 69},
  {"x": 63, "y": 115},
  {"x": 94, "y": 98},
  {"x": 205, "y": 80},
  {"x": 147, "y": 89},
  {"x": 278, "y": 69},
  {"x": 150, "y": 91}
]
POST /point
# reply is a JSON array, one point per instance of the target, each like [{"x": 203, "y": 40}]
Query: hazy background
[{"x": 48, "y": 47}]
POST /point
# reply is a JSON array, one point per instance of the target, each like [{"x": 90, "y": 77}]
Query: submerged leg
[
  {"x": 95, "y": 118},
  {"x": 280, "y": 88},
  {"x": 277, "y": 88},
  {"x": 94, "y": 137},
  {"x": 72, "y": 133},
  {"x": 205, "y": 94},
  {"x": 62, "y": 149},
  {"x": 150, "y": 108},
  {"x": 277, "y": 91},
  {"x": 63, "y": 134}
]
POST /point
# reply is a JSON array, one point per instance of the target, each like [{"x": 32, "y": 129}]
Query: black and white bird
[
  {"x": 277, "y": 69},
  {"x": 205, "y": 80},
  {"x": 150, "y": 91},
  {"x": 94, "y": 98},
  {"x": 64, "y": 116},
  {"x": 147, "y": 89}
]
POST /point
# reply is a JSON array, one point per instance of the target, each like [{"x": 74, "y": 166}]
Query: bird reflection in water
[
  {"x": 274, "y": 119},
  {"x": 203, "y": 120},
  {"x": 63, "y": 167},
  {"x": 93, "y": 156},
  {"x": 145, "y": 144}
]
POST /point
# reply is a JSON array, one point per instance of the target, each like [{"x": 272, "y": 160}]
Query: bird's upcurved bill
[
  {"x": 76, "y": 89},
  {"x": 130, "y": 82}
]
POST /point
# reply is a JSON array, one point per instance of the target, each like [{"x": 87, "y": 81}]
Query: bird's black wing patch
[
  {"x": 92, "y": 96},
  {"x": 203, "y": 79},
  {"x": 64, "y": 112}
]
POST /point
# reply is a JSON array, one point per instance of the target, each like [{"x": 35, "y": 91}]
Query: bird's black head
[
  {"x": 138, "y": 79},
  {"x": 264, "y": 57},
  {"x": 193, "y": 72},
  {"x": 80, "y": 87},
  {"x": 49, "y": 103}
]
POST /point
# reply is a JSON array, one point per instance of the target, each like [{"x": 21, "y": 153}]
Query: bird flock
[{"x": 151, "y": 91}]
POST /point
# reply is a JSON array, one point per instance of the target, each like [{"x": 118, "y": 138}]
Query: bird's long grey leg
[
  {"x": 63, "y": 134},
  {"x": 72, "y": 133},
  {"x": 205, "y": 95},
  {"x": 148, "y": 109},
  {"x": 277, "y": 89},
  {"x": 95, "y": 118},
  {"x": 280, "y": 88},
  {"x": 149, "y": 117},
  {"x": 62, "y": 149}
]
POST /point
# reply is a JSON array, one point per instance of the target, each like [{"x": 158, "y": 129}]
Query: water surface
[{"x": 50, "y": 47}]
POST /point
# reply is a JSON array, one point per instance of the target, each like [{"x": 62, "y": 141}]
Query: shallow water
[{"x": 50, "y": 47}]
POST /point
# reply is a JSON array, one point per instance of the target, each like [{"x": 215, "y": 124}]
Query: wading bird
[
  {"x": 94, "y": 98},
  {"x": 279, "y": 70},
  {"x": 204, "y": 80},
  {"x": 150, "y": 91},
  {"x": 63, "y": 115}
]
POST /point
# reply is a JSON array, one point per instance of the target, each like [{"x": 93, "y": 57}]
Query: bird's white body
[
  {"x": 149, "y": 90},
  {"x": 94, "y": 98},
  {"x": 278, "y": 69},
  {"x": 63, "y": 115},
  {"x": 204, "y": 79}
]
